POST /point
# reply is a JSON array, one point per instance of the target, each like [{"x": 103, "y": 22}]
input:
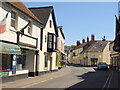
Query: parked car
[{"x": 102, "y": 66}]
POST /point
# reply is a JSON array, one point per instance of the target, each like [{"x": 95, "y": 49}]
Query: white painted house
[
  {"x": 49, "y": 42},
  {"x": 28, "y": 40},
  {"x": 20, "y": 41},
  {"x": 61, "y": 55}
]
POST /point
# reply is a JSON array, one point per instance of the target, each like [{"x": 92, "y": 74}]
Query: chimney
[
  {"x": 83, "y": 41},
  {"x": 87, "y": 39},
  {"x": 78, "y": 43},
  {"x": 103, "y": 39},
  {"x": 92, "y": 37}
]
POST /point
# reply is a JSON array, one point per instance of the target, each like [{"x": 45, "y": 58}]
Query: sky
[{"x": 81, "y": 19}]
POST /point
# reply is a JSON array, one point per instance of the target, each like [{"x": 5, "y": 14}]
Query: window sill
[
  {"x": 45, "y": 68},
  {"x": 13, "y": 29}
]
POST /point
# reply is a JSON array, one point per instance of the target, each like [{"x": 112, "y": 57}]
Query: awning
[
  {"x": 7, "y": 48},
  {"x": 26, "y": 47}
]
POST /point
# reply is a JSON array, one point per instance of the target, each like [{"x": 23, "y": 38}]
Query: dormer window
[{"x": 50, "y": 24}]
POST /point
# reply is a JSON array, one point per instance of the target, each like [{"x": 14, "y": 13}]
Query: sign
[{"x": 14, "y": 64}]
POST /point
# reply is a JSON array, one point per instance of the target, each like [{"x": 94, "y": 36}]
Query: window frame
[
  {"x": 29, "y": 29},
  {"x": 50, "y": 23},
  {"x": 14, "y": 19},
  {"x": 51, "y": 42}
]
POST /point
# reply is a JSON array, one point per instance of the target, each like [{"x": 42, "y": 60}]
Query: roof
[
  {"x": 98, "y": 46},
  {"x": 83, "y": 45},
  {"x": 42, "y": 13},
  {"x": 20, "y": 6},
  {"x": 80, "y": 46}
]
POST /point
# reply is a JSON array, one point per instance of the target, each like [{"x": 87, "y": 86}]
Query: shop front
[
  {"x": 8, "y": 53},
  {"x": 28, "y": 61}
]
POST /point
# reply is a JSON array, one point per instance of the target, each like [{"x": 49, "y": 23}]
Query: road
[{"x": 80, "y": 77}]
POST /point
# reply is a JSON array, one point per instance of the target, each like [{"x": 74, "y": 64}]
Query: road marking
[
  {"x": 110, "y": 80},
  {"x": 107, "y": 80}
]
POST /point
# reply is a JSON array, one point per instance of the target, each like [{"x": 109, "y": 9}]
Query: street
[{"x": 81, "y": 77}]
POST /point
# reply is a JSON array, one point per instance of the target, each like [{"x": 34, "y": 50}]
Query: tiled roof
[
  {"x": 42, "y": 13},
  {"x": 80, "y": 46},
  {"x": 20, "y": 6},
  {"x": 83, "y": 45},
  {"x": 98, "y": 46}
]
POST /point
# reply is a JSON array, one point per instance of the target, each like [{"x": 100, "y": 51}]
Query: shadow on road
[{"x": 91, "y": 80}]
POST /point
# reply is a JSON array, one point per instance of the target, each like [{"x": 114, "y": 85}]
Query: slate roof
[
  {"x": 98, "y": 46},
  {"x": 21, "y": 7},
  {"x": 42, "y": 13}
]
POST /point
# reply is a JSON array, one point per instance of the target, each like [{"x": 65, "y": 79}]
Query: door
[{"x": 50, "y": 63}]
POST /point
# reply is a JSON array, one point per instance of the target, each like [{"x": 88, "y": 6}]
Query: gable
[{"x": 43, "y": 14}]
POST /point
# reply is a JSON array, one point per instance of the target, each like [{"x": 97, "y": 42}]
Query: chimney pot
[
  {"x": 87, "y": 39},
  {"x": 92, "y": 37},
  {"x": 78, "y": 43},
  {"x": 83, "y": 41}
]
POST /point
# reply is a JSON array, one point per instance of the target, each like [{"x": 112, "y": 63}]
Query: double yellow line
[{"x": 108, "y": 81}]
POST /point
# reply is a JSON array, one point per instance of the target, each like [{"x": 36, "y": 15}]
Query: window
[
  {"x": 51, "y": 42},
  {"x": 13, "y": 19},
  {"x": 50, "y": 24},
  {"x": 6, "y": 62},
  {"x": 74, "y": 54},
  {"x": 22, "y": 62},
  {"x": 30, "y": 29},
  {"x": 56, "y": 59},
  {"x": 46, "y": 60}
]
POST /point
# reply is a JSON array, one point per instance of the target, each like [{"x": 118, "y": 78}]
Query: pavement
[{"x": 22, "y": 83}]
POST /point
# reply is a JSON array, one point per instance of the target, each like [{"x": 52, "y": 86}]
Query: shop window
[
  {"x": 6, "y": 62},
  {"x": 22, "y": 63}
]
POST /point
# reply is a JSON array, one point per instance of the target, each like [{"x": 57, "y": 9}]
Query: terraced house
[
  {"x": 61, "y": 55},
  {"x": 92, "y": 52},
  {"x": 50, "y": 34},
  {"x": 28, "y": 39}
]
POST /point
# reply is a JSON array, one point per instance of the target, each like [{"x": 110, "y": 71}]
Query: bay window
[{"x": 51, "y": 42}]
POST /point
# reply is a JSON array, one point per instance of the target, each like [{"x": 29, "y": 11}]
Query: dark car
[{"x": 102, "y": 66}]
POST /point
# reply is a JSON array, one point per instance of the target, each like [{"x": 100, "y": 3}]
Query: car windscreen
[{"x": 102, "y": 64}]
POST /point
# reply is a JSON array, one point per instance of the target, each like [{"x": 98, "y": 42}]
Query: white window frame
[
  {"x": 16, "y": 21},
  {"x": 30, "y": 28}
]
